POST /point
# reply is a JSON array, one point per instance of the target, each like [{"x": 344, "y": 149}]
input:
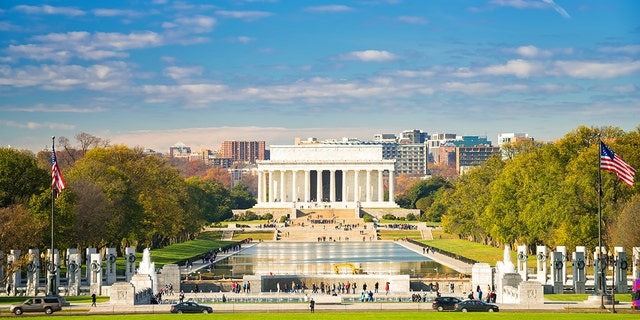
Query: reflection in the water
[{"x": 311, "y": 258}]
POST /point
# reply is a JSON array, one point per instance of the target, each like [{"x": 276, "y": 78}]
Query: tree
[
  {"x": 219, "y": 174},
  {"x": 19, "y": 229},
  {"x": 241, "y": 198},
  {"x": 20, "y": 177}
]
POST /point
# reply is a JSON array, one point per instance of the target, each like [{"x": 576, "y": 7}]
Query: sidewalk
[
  {"x": 219, "y": 257},
  {"x": 462, "y": 267}
]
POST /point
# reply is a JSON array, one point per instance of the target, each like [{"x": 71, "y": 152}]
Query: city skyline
[{"x": 158, "y": 72}]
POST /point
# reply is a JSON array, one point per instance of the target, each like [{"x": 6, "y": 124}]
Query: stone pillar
[
  {"x": 271, "y": 198},
  {"x": 578, "y": 270},
  {"x": 89, "y": 252},
  {"x": 294, "y": 186},
  {"x": 380, "y": 187},
  {"x": 522, "y": 262},
  {"x": 130, "y": 263},
  {"x": 392, "y": 183},
  {"x": 53, "y": 272},
  {"x": 636, "y": 263},
  {"x": 33, "y": 272},
  {"x": 95, "y": 268},
  {"x": 541, "y": 265},
  {"x": 620, "y": 269},
  {"x": 307, "y": 185},
  {"x": 344, "y": 185},
  {"x": 281, "y": 196},
  {"x": 70, "y": 251},
  {"x": 356, "y": 186},
  {"x": 110, "y": 257},
  {"x": 368, "y": 186},
  {"x": 260, "y": 187},
  {"x": 319, "y": 186},
  {"x": 598, "y": 266},
  {"x": 15, "y": 278},
  {"x": 332, "y": 185},
  {"x": 563, "y": 250},
  {"x": 556, "y": 272},
  {"x": 74, "y": 269}
]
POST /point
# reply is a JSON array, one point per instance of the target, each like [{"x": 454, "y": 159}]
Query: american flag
[
  {"x": 57, "y": 181},
  {"x": 611, "y": 161}
]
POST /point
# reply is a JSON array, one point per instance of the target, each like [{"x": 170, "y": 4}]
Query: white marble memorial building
[{"x": 334, "y": 176}]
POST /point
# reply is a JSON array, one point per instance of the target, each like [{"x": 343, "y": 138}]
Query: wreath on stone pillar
[
  {"x": 95, "y": 266},
  {"x": 132, "y": 258},
  {"x": 72, "y": 267},
  {"x": 541, "y": 256}
]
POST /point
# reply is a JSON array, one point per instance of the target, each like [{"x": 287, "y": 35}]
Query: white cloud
[
  {"x": 56, "y": 108},
  {"x": 243, "y": 39},
  {"x": 37, "y": 125},
  {"x": 46, "y": 9},
  {"x": 329, "y": 8},
  {"x": 414, "y": 73},
  {"x": 196, "y": 24},
  {"x": 413, "y": 19},
  {"x": 116, "y": 13},
  {"x": 532, "y": 52},
  {"x": 369, "y": 56},
  {"x": 518, "y": 68},
  {"x": 630, "y": 49},
  {"x": 66, "y": 77},
  {"x": 244, "y": 15},
  {"x": 179, "y": 73},
  {"x": 532, "y": 4},
  {"x": 595, "y": 70}
]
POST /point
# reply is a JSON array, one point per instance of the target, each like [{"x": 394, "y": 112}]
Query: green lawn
[
  {"x": 255, "y": 235},
  {"x": 206, "y": 241},
  {"x": 398, "y": 234},
  {"x": 471, "y": 250}
]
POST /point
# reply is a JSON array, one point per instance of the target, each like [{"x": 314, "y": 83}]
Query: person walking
[
  {"x": 93, "y": 300},
  {"x": 312, "y": 305}
]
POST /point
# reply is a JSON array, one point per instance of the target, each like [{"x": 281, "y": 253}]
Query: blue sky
[{"x": 154, "y": 73}]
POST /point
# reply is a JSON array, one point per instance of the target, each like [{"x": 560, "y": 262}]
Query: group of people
[
  {"x": 490, "y": 297},
  {"x": 245, "y": 287}
]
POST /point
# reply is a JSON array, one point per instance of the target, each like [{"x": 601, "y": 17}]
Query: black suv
[
  {"x": 444, "y": 303},
  {"x": 43, "y": 304}
]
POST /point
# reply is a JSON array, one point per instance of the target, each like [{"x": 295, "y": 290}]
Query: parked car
[
  {"x": 475, "y": 305},
  {"x": 444, "y": 303},
  {"x": 42, "y": 304},
  {"x": 190, "y": 307}
]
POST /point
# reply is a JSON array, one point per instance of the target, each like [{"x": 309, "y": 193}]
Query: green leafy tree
[
  {"x": 21, "y": 177},
  {"x": 241, "y": 198}
]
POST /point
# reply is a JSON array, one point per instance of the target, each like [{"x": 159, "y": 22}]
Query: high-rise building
[
  {"x": 243, "y": 151},
  {"x": 512, "y": 137},
  {"x": 180, "y": 150}
]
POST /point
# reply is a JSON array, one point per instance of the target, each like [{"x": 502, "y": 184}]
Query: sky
[{"x": 156, "y": 73}]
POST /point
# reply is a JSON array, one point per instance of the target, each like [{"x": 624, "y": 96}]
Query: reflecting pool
[{"x": 312, "y": 258}]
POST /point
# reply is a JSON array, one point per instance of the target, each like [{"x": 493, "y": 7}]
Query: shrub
[{"x": 389, "y": 216}]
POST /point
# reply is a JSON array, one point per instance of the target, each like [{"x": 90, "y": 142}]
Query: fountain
[{"x": 148, "y": 268}]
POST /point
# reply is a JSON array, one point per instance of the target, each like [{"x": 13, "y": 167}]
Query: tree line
[
  {"x": 539, "y": 194},
  {"x": 116, "y": 196}
]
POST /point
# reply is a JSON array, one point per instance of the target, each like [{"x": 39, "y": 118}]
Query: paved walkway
[
  {"x": 462, "y": 267},
  {"x": 197, "y": 265}
]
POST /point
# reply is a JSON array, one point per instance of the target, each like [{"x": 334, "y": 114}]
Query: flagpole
[
  {"x": 603, "y": 279},
  {"x": 52, "y": 286}
]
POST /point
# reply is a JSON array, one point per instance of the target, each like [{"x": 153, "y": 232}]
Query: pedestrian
[
  {"x": 8, "y": 289},
  {"x": 93, "y": 300},
  {"x": 312, "y": 305},
  {"x": 386, "y": 288},
  {"x": 375, "y": 286},
  {"x": 181, "y": 296}
]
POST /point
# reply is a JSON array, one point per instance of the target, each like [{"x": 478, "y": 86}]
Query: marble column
[
  {"x": 281, "y": 195},
  {"x": 344, "y": 185},
  {"x": 307, "y": 185},
  {"x": 332, "y": 185},
  {"x": 260, "y": 187},
  {"x": 271, "y": 186},
  {"x": 319, "y": 186},
  {"x": 294, "y": 187},
  {"x": 380, "y": 187},
  {"x": 391, "y": 186},
  {"x": 356, "y": 186},
  {"x": 368, "y": 185}
]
